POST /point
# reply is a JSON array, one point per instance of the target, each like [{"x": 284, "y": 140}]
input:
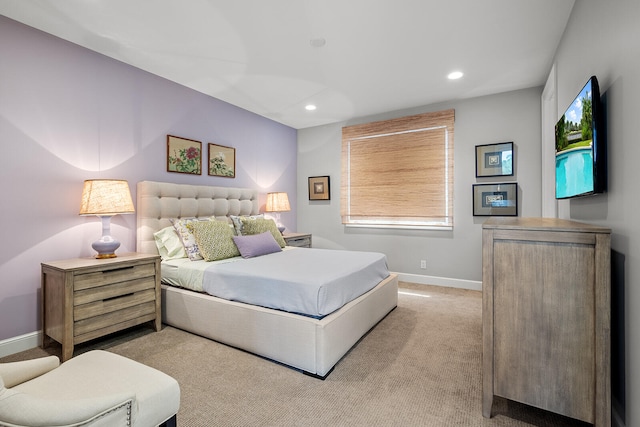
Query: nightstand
[
  {"x": 301, "y": 240},
  {"x": 87, "y": 298}
]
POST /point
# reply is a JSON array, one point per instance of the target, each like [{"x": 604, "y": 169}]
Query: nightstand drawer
[
  {"x": 300, "y": 240},
  {"x": 140, "y": 312},
  {"x": 111, "y": 304},
  {"x": 115, "y": 275},
  {"x": 112, "y": 291}
]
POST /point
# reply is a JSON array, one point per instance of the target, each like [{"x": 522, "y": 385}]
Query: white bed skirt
[{"x": 311, "y": 345}]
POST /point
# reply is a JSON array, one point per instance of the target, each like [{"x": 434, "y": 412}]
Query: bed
[{"x": 312, "y": 345}]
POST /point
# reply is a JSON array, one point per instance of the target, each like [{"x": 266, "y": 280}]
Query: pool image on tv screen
[{"x": 576, "y": 141}]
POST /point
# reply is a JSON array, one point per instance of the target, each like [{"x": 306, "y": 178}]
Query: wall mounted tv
[{"x": 581, "y": 148}]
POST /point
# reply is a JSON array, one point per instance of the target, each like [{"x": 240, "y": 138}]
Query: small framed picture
[
  {"x": 495, "y": 199},
  {"x": 319, "y": 188},
  {"x": 184, "y": 155},
  {"x": 222, "y": 161},
  {"x": 494, "y": 160}
]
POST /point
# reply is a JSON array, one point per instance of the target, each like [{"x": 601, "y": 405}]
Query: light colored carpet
[{"x": 420, "y": 366}]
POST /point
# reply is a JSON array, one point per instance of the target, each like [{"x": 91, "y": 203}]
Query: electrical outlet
[{"x": 423, "y": 263}]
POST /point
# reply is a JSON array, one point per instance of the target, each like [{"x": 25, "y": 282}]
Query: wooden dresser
[
  {"x": 546, "y": 316},
  {"x": 86, "y": 298}
]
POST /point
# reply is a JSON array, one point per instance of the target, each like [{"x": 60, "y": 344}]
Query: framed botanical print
[
  {"x": 222, "y": 161},
  {"x": 184, "y": 155}
]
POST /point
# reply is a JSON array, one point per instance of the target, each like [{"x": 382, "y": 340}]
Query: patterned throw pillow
[
  {"x": 215, "y": 240},
  {"x": 260, "y": 225},
  {"x": 237, "y": 221},
  {"x": 184, "y": 228}
]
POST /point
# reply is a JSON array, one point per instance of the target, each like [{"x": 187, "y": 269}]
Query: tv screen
[{"x": 580, "y": 146}]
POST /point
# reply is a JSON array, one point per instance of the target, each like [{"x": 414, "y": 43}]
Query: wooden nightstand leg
[
  {"x": 67, "y": 352},
  {"x": 46, "y": 341}
]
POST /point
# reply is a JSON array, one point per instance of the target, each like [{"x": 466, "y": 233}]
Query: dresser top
[{"x": 543, "y": 224}]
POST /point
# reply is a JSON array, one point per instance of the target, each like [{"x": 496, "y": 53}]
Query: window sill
[{"x": 402, "y": 226}]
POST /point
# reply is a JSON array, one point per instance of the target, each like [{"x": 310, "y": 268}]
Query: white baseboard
[
  {"x": 440, "y": 281},
  {"x": 20, "y": 343}
]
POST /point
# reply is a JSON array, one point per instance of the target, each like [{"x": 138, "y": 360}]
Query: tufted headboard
[{"x": 158, "y": 202}]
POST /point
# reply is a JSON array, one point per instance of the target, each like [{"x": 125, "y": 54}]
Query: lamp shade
[
  {"x": 106, "y": 197},
  {"x": 277, "y": 202}
]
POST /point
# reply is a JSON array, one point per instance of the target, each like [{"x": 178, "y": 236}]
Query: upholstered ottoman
[{"x": 154, "y": 397}]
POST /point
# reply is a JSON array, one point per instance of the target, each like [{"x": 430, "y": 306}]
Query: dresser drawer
[{"x": 93, "y": 279}]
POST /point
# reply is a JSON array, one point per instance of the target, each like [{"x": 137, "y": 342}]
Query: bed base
[{"x": 313, "y": 346}]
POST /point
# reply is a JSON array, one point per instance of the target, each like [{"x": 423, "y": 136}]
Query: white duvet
[{"x": 308, "y": 281}]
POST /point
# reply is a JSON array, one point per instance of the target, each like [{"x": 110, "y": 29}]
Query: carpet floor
[{"x": 420, "y": 366}]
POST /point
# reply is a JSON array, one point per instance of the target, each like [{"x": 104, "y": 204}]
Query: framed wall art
[
  {"x": 184, "y": 155},
  {"x": 319, "y": 188},
  {"x": 222, "y": 161},
  {"x": 494, "y": 160},
  {"x": 495, "y": 199}
]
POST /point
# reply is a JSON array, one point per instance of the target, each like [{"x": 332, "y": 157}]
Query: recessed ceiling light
[
  {"x": 319, "y": 42},
  {"x": 455, "y": 75},
  {"x": 310, "y": 107}
]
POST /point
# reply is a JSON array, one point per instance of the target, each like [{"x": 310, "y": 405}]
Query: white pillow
[{"x": 169, "y": 244}]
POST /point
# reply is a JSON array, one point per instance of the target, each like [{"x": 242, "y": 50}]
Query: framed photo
[
  {"x": 494, "y": 160},
  {"x": 222, "y": 161},
  {"x": 184, "y": 155},
  {"x": 319, "y": 188},
  {"x": 495, "y": 199}
]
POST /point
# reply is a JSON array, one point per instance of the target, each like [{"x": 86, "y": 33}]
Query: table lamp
[
  {"x": 278, "y": 202},
  {"x": 105, "y": 198}
]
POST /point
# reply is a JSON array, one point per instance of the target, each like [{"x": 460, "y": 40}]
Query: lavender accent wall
[{"x": 68, "y": 114}]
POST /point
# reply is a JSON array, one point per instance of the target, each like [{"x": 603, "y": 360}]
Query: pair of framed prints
[
  {"x": 495, "y": 199},
  {"x": 185, "y": 156}
]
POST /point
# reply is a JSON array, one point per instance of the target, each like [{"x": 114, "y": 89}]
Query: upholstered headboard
[{"x": 158, "y": 202}]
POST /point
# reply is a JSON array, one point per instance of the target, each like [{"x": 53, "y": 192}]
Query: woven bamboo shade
[{"x": 399, "y": 172}]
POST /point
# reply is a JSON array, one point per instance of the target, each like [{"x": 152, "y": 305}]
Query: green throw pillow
[
  {"x": 260, "y": 225},
  {"x": 215, "y": 240}
]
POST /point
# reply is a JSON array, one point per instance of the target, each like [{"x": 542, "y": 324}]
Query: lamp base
[
  {"x": 105, "y": 248},
  {"x": 105, "y": 256}
]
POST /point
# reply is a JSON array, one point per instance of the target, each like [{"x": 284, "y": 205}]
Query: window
[{"x": 399, "y": 172}]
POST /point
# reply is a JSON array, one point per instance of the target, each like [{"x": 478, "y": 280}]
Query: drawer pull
[
  {"x": 118, "y": 269},
  {"x": 116, "y": 297}
]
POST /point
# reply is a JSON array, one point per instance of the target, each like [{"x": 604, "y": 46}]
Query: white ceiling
[{"x": 379, "y": 56}]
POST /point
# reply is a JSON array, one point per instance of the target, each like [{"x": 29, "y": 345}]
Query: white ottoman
[{"x": 100, "y": 373}]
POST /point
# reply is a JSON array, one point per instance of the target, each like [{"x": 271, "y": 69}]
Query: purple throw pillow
[{"x": 256, "y": 244}]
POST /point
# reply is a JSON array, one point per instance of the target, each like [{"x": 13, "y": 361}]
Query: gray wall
[
  {"x": 68, "y": 114},
  {"x": 453, "y": 257},
  {"x": 602, "y": 39}
]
